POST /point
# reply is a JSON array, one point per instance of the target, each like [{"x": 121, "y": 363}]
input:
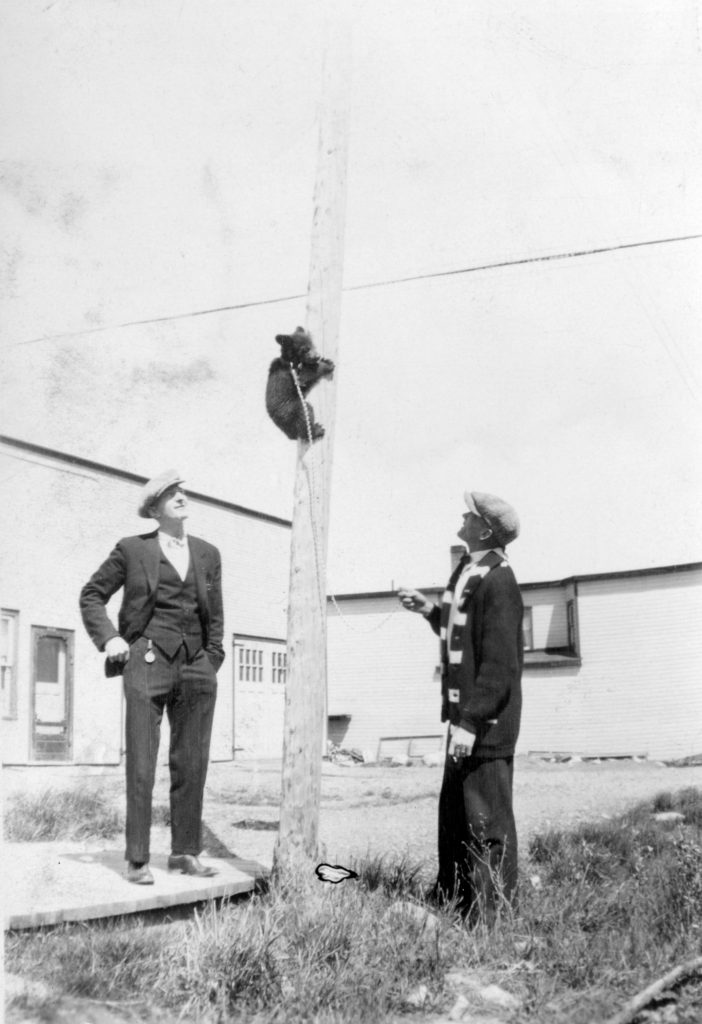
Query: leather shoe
[
  {"x": 188, "y": 864},
  {"x": 140, "y": 874}
]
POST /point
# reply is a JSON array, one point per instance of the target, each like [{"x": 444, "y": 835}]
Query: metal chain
[
  {"x": 318, "y": 561},
  {"x": 308, "y": 474},
  {"x": 355, "y": 629},
  {"x": 303, "y": 403}
]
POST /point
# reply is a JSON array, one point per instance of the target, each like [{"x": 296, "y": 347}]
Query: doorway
[
  {"x": 260, "y": 668},
  {"x": 52, "y": 693}
]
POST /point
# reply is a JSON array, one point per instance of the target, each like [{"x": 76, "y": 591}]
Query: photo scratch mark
[{"x": 333, "y": 873}]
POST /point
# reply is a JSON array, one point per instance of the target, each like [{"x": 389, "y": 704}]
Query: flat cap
[
  {"x": 154, "y": 488},
  {"x": 500, "y": 517}
]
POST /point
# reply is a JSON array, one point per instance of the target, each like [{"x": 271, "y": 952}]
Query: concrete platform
[{"x": 51, "y": 883}]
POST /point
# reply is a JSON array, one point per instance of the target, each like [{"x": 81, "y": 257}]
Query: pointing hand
[{"x": 414, "y": 600}]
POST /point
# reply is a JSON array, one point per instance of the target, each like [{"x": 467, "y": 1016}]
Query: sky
[{"x": 159, "y": 159}]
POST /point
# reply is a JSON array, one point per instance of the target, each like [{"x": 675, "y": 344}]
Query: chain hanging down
[{"x": 317, "y": 557}]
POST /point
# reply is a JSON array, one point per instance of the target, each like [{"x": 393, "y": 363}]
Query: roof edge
[
  {"x": 579, "y": 578},
  {"x": 124, "y": 474}
]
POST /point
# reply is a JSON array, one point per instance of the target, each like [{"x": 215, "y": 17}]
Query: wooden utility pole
[{"x": 306, "y": 683}]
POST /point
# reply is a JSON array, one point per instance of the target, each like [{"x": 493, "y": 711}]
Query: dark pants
[
  {"x": 187, "y": 689},
  {"x": 477, "y": 835}
]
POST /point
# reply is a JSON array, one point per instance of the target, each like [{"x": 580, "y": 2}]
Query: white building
[
  {"x": 613, "y": 663},
  {"x": 613, "y": 667},
  {"x": 62, "y": 517}
]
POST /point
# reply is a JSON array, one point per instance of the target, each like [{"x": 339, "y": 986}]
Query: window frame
[
  {"x": 528, "y": 627},
  {"x": 572, "y": 625},
  {"x": 260, "y": 661},
  {"x": 9, "y": 701}
]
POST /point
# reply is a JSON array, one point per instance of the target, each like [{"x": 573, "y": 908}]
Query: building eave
[
  {"x": 662, "y": 570},
  {"x": 123, "y": 474}
]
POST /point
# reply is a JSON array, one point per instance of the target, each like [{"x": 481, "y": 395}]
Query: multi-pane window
[
  {"x": 279, "y": 664},
  {"x": 8, "y": 662},
  {"x": 250, "y": 664},
  {"x": 528, "y": 629},
  {"x": 260, "y": 660}
]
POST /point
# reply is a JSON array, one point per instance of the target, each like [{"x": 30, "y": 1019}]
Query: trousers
[
  {"x": 477, "y": 835},
  {"x": 187, "y": 689}
]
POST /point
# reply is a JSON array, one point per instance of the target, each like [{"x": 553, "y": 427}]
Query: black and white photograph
[{"x": 351, "y": 550}]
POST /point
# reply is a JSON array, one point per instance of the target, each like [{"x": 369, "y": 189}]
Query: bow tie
[{"x": 176, "y": 542}]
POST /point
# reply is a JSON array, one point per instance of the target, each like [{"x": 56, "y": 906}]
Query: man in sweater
[
  {"x": 168, "y": 646},
  {"x": 479, "y": 623}
]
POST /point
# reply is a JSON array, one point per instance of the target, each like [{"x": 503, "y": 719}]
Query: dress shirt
[{"x": 177, "y": 551}]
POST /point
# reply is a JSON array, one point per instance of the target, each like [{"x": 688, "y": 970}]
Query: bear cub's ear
[{"x": 299, "y": 332}]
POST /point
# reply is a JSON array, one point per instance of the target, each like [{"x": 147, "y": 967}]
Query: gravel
[
  {"x": 382, "y": 810},
  {"x": 393, "y": 811}
]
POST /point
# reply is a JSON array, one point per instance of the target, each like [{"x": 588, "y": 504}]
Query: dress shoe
[
  {"x": 140, "y": 874},
  {"x": 188, "y": 864}
]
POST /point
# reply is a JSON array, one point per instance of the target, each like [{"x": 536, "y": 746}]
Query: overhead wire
[{"x": 497, "y": 265}]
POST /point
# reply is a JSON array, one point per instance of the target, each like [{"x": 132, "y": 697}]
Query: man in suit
[
  {"x": 168, "y": 645},
  {"x": 479, "y": 623}
]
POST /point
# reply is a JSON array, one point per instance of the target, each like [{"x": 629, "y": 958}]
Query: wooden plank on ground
[{"x": 52, "y": 883}]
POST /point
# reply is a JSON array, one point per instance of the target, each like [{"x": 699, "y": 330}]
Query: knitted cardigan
[{"x": 482, "y": 658}]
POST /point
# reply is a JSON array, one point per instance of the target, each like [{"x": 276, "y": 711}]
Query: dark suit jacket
[
  {"x": 134, "y": 565},
  {"x": 489, "y": 675}
]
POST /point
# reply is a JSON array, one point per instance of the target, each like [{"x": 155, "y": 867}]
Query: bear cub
[{"x": 283, "y": 403}]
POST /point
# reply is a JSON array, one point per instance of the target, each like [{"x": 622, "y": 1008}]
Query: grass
[
  {"x": 90, "y": 813},
  {"x": 604, "y": 910},
  {"x": 70, "y": 814},
  {"x": 61, "y": 814}
]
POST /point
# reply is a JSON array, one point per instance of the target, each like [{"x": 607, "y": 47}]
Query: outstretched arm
[{"x": 416, "y": 601}]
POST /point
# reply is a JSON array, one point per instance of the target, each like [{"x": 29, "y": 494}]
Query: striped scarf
[{"x": 452, "y": 646}]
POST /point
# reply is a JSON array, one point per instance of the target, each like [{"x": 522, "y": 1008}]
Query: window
[
  {"x": 260, "y": 660},
  {"x": 8, "y": 662},
  {"x": 279, "y": 662},
  {"x": 528, "y": 630},
  {"x": 250, "y": 664}
]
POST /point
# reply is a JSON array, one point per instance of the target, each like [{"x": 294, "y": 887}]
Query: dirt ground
[
  {"x": 394, "y": 810},
  {"x": 382, "y": 810}
]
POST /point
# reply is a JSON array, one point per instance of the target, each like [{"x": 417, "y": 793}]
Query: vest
[{"x": 176, "y": 618}]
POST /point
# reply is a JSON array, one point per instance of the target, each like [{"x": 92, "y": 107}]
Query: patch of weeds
[
  {"x": 161, "y": 815},
  {"x": 615, "y": 895},
  {"x": 398, "y": 878},
  {"x": 299, "y": 953},
  {"x": 61, "y": 814},
  {"x": 604, "y": 909}
]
